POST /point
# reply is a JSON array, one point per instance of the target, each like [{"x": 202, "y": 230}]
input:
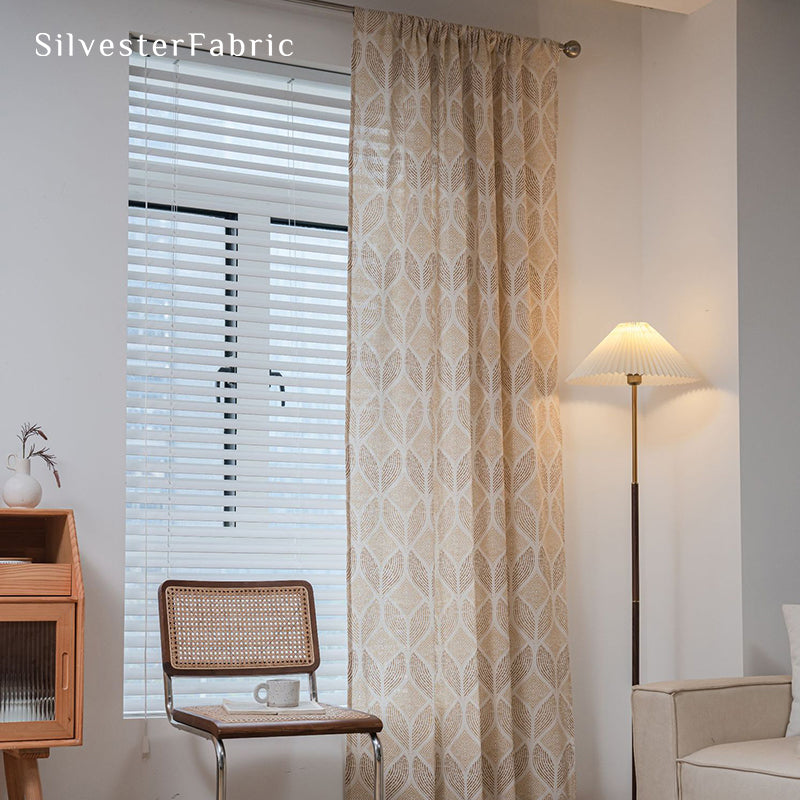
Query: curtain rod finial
[{"x": 571, "y": 49}]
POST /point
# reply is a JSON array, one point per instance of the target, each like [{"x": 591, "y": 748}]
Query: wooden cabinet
[{"x": 41, "y": 630}]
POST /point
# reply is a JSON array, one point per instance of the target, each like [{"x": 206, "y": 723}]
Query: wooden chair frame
[{"x": 181, "y": 655}]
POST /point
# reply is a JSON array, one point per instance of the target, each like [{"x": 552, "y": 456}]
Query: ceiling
[{"x": 679, "y": 6}]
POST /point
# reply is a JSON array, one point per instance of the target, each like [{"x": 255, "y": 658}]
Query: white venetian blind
[{"x": 236, "y": 343}]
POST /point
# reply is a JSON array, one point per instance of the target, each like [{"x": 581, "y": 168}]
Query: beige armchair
[{"x": 720, "y": 739}]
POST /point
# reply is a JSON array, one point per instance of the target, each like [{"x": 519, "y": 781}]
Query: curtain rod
[{"x": 570, "y": 49}]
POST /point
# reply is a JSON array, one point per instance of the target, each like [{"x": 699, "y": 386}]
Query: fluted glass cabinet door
[{"x": 37, "y": 653}]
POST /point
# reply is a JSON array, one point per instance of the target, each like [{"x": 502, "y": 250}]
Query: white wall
[
  {"x": 691, "y": 546},
  {"x": 648, "y": 202},
  {"x": 62, "y": 312},
  {"x": 769, "y": 325},
  {"x": 64, "y": 225},
  {"x": 600, "y": 198}
]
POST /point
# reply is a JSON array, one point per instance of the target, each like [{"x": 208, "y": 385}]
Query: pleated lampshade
[{"x": 633, "y": 348}]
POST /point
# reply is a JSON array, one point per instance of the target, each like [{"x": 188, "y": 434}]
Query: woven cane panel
[
  {"x": 219, "y": 714},
  {"x": 220, "y": 628}
]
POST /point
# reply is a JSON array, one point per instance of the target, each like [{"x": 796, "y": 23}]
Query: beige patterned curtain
[{"x": 458, "y": 621}]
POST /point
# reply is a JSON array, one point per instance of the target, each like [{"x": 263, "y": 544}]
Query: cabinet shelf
[{"x": 38, "y": 580}]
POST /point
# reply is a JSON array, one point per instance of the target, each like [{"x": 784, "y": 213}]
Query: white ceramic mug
[{"x": 278, "y": 693}]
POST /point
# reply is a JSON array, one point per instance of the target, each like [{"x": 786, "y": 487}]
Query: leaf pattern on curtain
[{"x": 456, "y": 565}]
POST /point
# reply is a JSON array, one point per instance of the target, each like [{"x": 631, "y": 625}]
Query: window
[{"x": 237, "y": 291}]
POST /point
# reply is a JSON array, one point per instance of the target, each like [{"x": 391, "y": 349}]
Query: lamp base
[
  {"x": 634, "y": 584},
  {"x": 634, "y": 610}
]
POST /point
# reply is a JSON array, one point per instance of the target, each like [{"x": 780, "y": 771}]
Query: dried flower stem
[{"x": 31, "y": 431}]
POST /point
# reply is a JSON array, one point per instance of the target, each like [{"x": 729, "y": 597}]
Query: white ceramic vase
[{"x": 21, "y": 490}]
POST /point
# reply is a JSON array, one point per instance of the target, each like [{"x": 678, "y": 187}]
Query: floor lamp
[{"x": 633, "y": 354}]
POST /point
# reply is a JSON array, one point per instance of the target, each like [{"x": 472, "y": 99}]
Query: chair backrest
[{"x": 238, "y": 627}]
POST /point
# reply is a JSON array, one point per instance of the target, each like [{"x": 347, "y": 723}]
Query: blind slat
[
  {"x": 278, "y": 103},
  {"x": 336, "y": 139},
  {"x": 304, "y": 196},
  {"x": 284, "y": 237},
  {"x": 306, "y": 155},
  {"x": 182, "y": 263},
  {"x": 254, "y": 409},
  {"x": 158, "y": 70},
  {"x": 214, "y": 174},
  {"x": 155, "y": 214}
]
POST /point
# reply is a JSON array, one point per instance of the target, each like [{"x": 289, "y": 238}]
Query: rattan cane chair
[{"x": 216, "y": 628}]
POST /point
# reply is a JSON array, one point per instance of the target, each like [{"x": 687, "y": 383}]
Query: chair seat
[{"x": 219, "y": 723}]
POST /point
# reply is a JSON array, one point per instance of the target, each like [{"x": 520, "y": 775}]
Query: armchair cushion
[{"x": 763, "y": 768}]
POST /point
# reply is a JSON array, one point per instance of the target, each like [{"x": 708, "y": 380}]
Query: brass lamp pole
[{"x": 633, "y": 354}]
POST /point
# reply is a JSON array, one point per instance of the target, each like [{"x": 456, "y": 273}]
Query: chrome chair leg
[
  {"x": 377, "y": 752},
  {"x": 219, "y": 749}
]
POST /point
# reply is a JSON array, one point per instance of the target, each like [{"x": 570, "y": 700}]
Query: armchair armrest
[{"x": 676, "y": 718}]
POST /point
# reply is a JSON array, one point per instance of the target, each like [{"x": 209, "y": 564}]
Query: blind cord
[{"x": 145, "y": 744}]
